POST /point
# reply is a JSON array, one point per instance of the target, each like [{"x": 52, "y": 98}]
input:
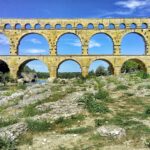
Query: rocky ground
[{"x": 102, "y": 113}]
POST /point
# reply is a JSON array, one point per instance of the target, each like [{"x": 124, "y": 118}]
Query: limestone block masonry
[{"x": 14, "y": 61}]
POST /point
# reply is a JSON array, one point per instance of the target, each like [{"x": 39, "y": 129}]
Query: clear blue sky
[{"x": 70, "y": 44}]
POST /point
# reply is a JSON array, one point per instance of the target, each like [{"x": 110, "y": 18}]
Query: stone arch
[
  {"x": 136, "y": 33},
  {"x": 105, "y": 34},
  {"x": 65, "y": 60},
  {"x": 100, "y": 26},
  {"x": 7, "y": 26},
  {"x": 139, "y": 61},
  {"x": 26, "y": 34},
  {"x": 133, "y": 26},
  {"x": 90, "y": 26},
  {"x": 79, "y": 26},
  {"x": 68, "y": 26},
  {"x": 18, "y": 26},
  {"x": 144, "y": 25},
  {"x": 47, "y": 26},
  {"x": 4, "y": 68},
  {"x": 27, "y": 26},
  {"x": 68, "y": 33},
  {"x": 105, "y": 60},
  {"x": 111, "y": 26},
  {"x": 24, "y": 62},
  {"x": 37, "y": 26},
  {"x": 58, "y": 26},
  {"x": 122, "y": 26}
]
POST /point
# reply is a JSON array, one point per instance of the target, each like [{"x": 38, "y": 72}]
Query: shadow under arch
[
  {"x": 106, "y": 61},
  {"x": 28, "y": 34},
  {"x": 4, "y": 68},
  {"x": 107, "y": 35},
  {"x": 69, "y": 33},
  {"x": 135, "y": 33},
  {"x": 142, "y": 65},
  {"x": 67, "y": 60},
  {"x": 24, "y": 63}
]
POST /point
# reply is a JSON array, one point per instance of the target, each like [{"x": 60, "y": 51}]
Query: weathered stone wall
[{"x": 52, "y": 35}]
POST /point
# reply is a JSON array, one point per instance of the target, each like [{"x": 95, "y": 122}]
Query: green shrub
[
  {"x": 38, "y": 126},
  {"x": 122, "y": 87},
  {"x": 142, "y": 75},
  {"x": 146, "y": 111},
  {"x": 62, "y": 122},
  {"x": 29, "y": 111},
  {"x": 100, "y": 122},
  {"x": 92, "y": 105},
  {"x": 6, "y": 144},
  {"x": 80, "y": 130},
  {"x": 21, "y": 86},
  {"x": 147, "y": 142},
  {"x": 102, "y": 94},
  {"x": 10, "y": 121}
]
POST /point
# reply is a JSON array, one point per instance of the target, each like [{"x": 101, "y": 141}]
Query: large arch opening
[
  {"x": 4, "y": 45},
  {"x": 101, "y": 43},
  {"x": 69, "y": 44},
  {"x": 133, "y": 44},
  {"x": 33, "y": 44},
  {"x": 132, "y": 66},
  {"x": 69, "y": 69},
  {"x": 101, "y": 68},
  {"x": 33, "y": 70}
]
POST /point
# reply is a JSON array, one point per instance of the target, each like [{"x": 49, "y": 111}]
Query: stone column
[
  {"x": 53, "y": 72},
  {"x": 53, "y": 50},
  {"x": 116, "y": 49},
  {"x": 85, "y": 71},
  {"x": 117, "y": 70},
  {"x": 84, "y": 48},
  {"x": 117, "y": 42},
  {"x": 13, "y": 46}
]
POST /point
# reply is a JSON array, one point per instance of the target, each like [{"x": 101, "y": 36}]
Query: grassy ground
[{"x": 106, "y": 101}]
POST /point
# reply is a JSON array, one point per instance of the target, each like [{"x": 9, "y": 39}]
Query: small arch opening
[{"x": 18, "y": 26}]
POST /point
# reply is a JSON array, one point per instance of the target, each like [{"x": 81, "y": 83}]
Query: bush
[
  {"x": 147, "y": 111},
  {"x": 131, "y": 66},
  {"x": 99, "y": 122},
  {"x": 38, "y": 126},
  {"x": 6, "y": 144},
  {"x": 30, "y": 111},
  {"x": 147, "y": 142},
  {"x": 92, "y": 105},
  {"x": 80, "y": 130},
  {"x": 122, "y": 87},
  {"x": 4, "y": 123},
  {"x": 100, "y": 71},
  {"x": 102, "y": 94},
  {"x": 142, "y": 75},
  {"x": 62, "y": 122}
]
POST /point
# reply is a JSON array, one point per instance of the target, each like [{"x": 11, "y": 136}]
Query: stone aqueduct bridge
[{"x": 14, "y": 61}]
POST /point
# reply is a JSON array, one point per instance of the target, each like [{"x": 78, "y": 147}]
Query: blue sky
[
  {"x": 70, "y": 44},
  {"x": 73, "y": 8}
]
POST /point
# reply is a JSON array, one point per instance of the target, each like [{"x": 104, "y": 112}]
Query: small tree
[
  {"x": 131, "y": 66},
  {"x": 100, "y": 71}
]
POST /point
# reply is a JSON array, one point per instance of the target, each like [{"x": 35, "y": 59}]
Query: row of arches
[
  {"x": 69, "y": 65},
  {"x": 70, "y": 26},
  {"x": 70, "y": 44}
]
